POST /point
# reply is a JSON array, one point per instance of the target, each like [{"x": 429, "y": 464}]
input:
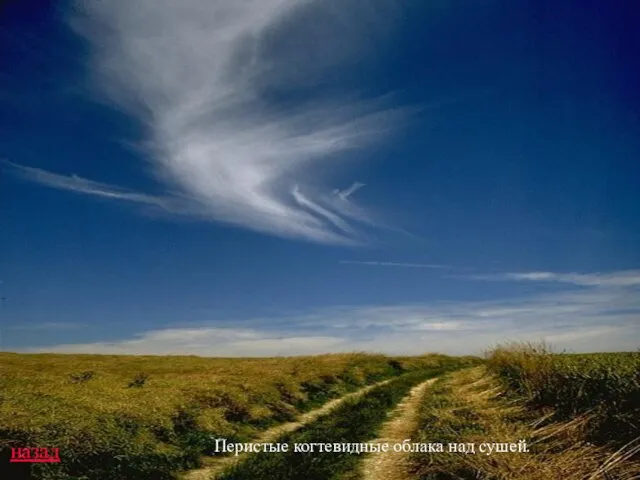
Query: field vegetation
[
  {"x": 603, "y": 386},
  {"x": 579, "y": 415},
  {"x": 147, "y": 417},
  {"x": 137, "y": 417}
]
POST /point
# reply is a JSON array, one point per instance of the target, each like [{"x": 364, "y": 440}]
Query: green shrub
[{"x": 139, "y": 380}]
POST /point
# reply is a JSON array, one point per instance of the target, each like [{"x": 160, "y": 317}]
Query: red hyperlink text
[{"x": 35, "y": 455}]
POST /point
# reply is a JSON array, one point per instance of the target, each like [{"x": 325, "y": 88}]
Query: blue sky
[{"x": 274, "y": 177}]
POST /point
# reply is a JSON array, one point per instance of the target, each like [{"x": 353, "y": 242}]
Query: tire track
[
  {"x": 216, "y": 465},
  {"x": 404, "y": 419}
]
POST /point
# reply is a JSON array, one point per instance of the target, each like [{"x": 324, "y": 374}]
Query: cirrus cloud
[{"x": 204, "y": 78}]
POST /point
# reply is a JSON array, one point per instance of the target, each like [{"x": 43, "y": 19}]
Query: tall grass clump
[
  {"x": 468, "y": 408},
  {"x": 605, "y": 386}
]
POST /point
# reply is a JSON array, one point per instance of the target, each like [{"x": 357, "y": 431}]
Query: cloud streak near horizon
[
  {"x": 396, "y": 264},
  {"x": 201, "y": 77},
  {"x": 628, "y": 278},
  {"x": 603, "y": 316}
]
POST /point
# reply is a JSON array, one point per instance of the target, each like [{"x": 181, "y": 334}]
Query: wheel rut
[
  {"x": 402, "y": 424},
  {"x": 213, "y": 466}
]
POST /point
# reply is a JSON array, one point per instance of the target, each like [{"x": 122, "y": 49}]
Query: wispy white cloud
[
  {"x": 74, "y": 183},
  {"x": 201, "y": 75},
  {"x": 209, "y": 342},
  {"x": 344, "y": 194},
  {"x": 394, "y": 264},
  {"x": 616, "y": 279},
  {"x": 601, "y": 317},
  {"x": 77, "y": 184}
]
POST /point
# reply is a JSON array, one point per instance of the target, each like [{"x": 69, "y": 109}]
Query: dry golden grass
[
  {"x": 467, "y": 407},
  {"x": 604, "y": 385}
]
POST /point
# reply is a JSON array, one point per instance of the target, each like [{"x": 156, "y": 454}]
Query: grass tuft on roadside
[
  {"x": 604, "y": 386},
  {"x": 474, "y": 406}
]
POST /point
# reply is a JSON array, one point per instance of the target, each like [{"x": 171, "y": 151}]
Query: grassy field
[
  {"x": 604, "y": 386},
  {"x": 137, "y": 417},
  {"x": 126, "y": 417},
  {"x": 579, "y": 415}
]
